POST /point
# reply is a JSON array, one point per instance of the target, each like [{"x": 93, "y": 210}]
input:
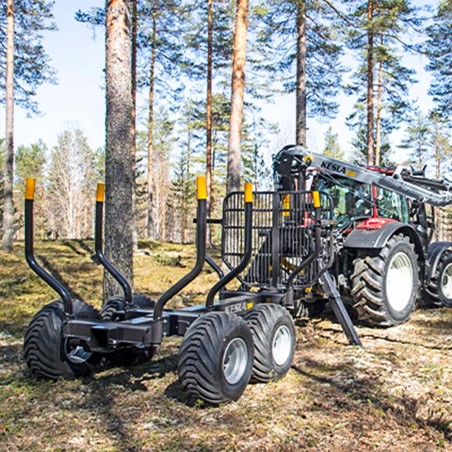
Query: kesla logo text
[{"x": 333, "y": 167}]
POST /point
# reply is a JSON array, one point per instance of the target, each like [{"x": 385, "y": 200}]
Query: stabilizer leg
[{"x": 339, "y": 309}]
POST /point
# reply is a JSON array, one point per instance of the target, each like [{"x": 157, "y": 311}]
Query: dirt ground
[{"x": 394, "y": 394}]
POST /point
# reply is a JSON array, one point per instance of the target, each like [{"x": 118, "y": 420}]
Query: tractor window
[
  {"x": 392, "y": 205},
  {"x": 351, "y": 199}
]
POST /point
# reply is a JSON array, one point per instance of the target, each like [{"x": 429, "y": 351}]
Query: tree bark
[
  {"x": 8, "y": 203},
  {"x": 209, "y": 180},
  {"x": 134, "y": 111},
  {"x": 119, "y": 176},
  {"x": 370, "y": 85},
  {"x": 150, "y": 220},
  {"x": 379, "y": 108},
  {"x": 301, "y": 134},
  {"x": 237, "y": 94}
]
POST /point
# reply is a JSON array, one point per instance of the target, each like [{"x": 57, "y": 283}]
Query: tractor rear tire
[
  {"x": 113, "y": 311},
  {"x": 439, "y": 288},
  {"x": 273, "y": 332},
  {"x": 216, "y": 358},
  {"x": 385, "y": 285},
  {"x": 47, "y": 354}
]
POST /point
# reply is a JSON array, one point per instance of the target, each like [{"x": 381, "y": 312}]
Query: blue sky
[{"x": 79, "y": 95}]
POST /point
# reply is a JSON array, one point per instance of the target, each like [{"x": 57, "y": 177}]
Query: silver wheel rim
[
  {"x": 76, "y": 355},
  {"x": 235, "y": 360},
  {"x": 399, "y": 281},
  {"x": 282, "y": 345},
  {"x": 446, "y": 281}
]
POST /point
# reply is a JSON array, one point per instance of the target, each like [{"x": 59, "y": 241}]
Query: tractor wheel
[
  {"x": 113, "y": 311},
  {"x": 385, "y": 286},
  {"x": 274, "y": 341},
  {"x": 439, "y": 289},
  {"x": 216, "y": 358},
  {"x": 47, "y": 353}
]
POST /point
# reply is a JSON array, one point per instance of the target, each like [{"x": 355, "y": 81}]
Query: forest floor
[{"x": 394, "y": 394}]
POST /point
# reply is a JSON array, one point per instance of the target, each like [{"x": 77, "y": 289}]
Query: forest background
[{"x": 60, "y": 119}]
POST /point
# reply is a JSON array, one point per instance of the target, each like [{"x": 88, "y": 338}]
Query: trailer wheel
[
  {"x": 216, "y": 358},
  {"x": 113, "y": 311},
  {"x": 274, "y": 341},
  {"x": 50, "y": 356},
  {"x": 439, "y": 289},
  {"x": 385, "y": 286}
]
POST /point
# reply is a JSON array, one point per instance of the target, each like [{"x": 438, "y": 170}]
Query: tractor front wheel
[
  {"x": 49, "y": 355},
  {"x": 274, "y": 341},
  {"x": 385, "y": 285},
  {"x": 439, "y": 289},
  {"x": 216, "y": 358}
]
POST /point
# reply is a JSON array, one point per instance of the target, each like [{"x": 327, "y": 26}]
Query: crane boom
[{"x": 291, "y": 161}]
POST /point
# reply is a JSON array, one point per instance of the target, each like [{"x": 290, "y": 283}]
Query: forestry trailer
[{"x": 330, "y": 231}]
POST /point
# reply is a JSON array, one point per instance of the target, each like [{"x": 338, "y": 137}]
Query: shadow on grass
[{"x": 346, "y": 383}]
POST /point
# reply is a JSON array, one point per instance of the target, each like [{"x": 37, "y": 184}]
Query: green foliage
[
  {"x": 30, "y": 161},
  {"x": 417, "y": 140},
  {"x": 32, "y": 64},
  {"x": 439, "y": 51},
  {"x": 332, "y": 147},
  {"x": 391, "y": 20},
  {"x": 359, "y": 144},
  {"x": 277, "y": 38}
]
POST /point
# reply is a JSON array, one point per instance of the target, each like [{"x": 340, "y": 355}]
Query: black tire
[
  {"x": 113, "y": 311},
  {"x": 273, "y": 332},
  {"x": 384, "y": 286},
  {"x": 216, "y": 358},
  {"x": 50, "y": 356},
  {"x": 438, "y": 290}
]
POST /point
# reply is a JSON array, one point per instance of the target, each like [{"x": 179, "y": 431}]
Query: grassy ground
[{"x": 393, "y": 394}]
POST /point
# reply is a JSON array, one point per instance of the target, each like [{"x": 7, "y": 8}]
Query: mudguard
[
  {"x": 435, "y": 251},
  {"x": 377, "y": 239}
]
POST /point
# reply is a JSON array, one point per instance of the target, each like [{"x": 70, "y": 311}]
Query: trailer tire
[
  {"x": 47, "y": 354},
  {"x": 113, "y": 311},
  {"x": 439, "y": 288},
  {"x": 273, "y": 332},
  {"x": 216, "y": 358},
  {"x": 385, "y": 285}
]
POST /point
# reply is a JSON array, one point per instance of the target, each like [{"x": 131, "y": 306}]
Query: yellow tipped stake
[
  {"x": 30, "y": 185},
  {"x": 201, "y": 187},
  {"x": 316, "y": 199},
  {"x": 248, "y": 192},
  {"x": 100, "y": 193}
]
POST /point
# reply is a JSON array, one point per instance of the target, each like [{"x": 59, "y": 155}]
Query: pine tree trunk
[
  {"x": 209, "y": 180},
  {"x": 119, "y": 177},
  {"x": 8, "y": 202},
  {"x": 150, "y": 220},
  {"x": 237, "y": 94},
  {"x": 134, "y": 112},
  {"x": 379, "y": 108},
  {"x": 370, "y": 85},
  {"x": 301, "y": 134}
]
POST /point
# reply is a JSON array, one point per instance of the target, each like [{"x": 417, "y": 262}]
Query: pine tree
[
  {"x": 302, "y": 48},
  {"x": 332, "y": 147},
  {"x": 417, "y": 140},
  {"x": 119, "y": 175},
  {"x": 439, "y": 51},
  {"x": 23, "y": 68},
  {"x": 380, "y": 109}
]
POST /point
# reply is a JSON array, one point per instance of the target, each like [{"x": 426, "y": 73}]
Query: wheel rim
[
  {"x": 282, "y": 344},
  {"x": 399, "y": 281},
  {"x": 235, "y": 360},
  {"x": 77, "y": 354},
  {"x": 446, "y": 281}
]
